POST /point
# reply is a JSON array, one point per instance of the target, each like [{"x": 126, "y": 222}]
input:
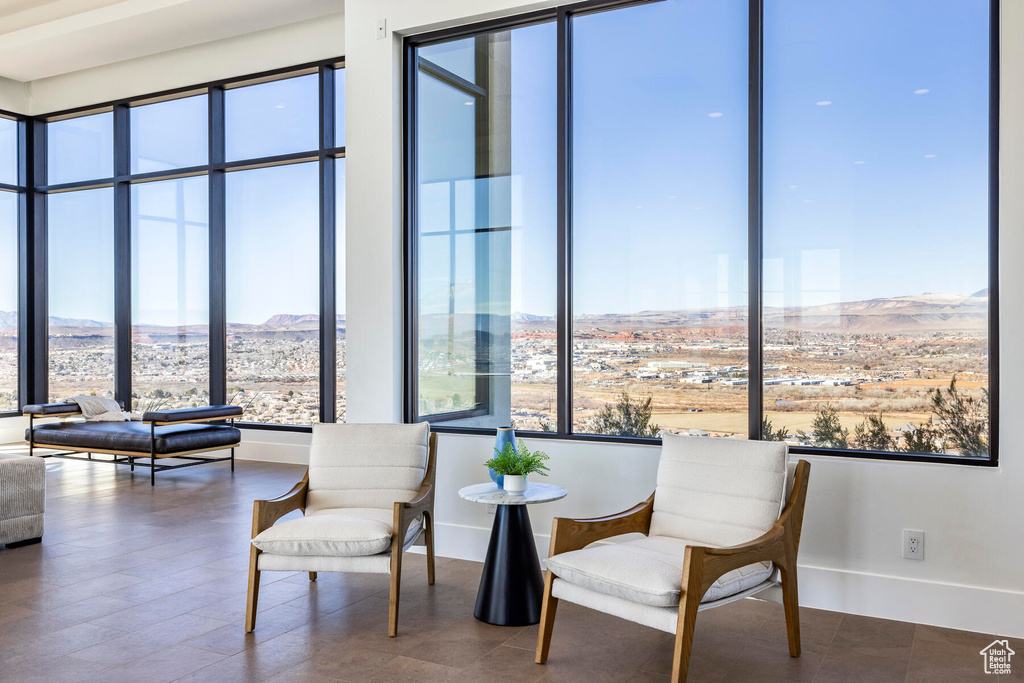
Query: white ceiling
[{"x": 39, "y": 39}]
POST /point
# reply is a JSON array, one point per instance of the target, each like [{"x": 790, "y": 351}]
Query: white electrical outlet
[
  {"x": 382, "y": 29},
  {"x": 913, "y": 544},
  {"x": 492, "y": 508}
]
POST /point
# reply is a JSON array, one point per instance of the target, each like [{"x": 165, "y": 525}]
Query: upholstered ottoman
[{"x": 22, "y": 498}]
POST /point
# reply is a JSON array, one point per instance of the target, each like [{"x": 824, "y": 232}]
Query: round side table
[{"x": 511, "y": 587}]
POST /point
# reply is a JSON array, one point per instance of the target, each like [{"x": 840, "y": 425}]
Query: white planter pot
[{"x": 514, "y": 483}]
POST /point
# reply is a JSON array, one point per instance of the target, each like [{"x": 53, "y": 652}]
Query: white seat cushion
[
  {"x": 647, "y": 571},
  {"x": 340, "y": 532}
]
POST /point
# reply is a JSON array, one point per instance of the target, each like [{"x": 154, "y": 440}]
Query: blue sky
[
  {"x": 875, "y": 154},
  {"x": 272, "y": 213},
  {"x": 875, "y": 165}
]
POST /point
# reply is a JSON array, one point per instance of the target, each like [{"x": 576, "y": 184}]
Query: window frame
[
  {"x": 755, "y": 409},
  {"x": 33, "y": 316},
  {"x": 20, "y": 189}
]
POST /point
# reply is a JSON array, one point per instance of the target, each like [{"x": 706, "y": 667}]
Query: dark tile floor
[{"x": 134, "y": 583}]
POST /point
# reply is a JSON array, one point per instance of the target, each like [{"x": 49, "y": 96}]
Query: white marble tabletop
[{"x": 534, "y": 493}]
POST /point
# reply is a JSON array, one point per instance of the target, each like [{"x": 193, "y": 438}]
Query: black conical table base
[{"x": 511, "y": 588}]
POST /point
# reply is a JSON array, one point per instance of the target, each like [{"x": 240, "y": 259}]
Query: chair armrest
[
  {"x": 702, "y": 566},
  {"x": 200, "y": 414},
  {"x": 572, "y": 534},
  {"x": 266, "y": 512},
  {"x": 408, "y": 511}
]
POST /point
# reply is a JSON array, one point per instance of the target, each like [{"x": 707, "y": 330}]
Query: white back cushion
[
  {"x": 366, "y": 465},
  {"x": 718, "y": 492}
]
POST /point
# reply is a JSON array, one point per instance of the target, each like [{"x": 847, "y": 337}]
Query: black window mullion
[
  {"x": 122, "y": 260},
  {"x": 218, "y": 252},
  {"x": 755, "y": 227},
  {"x": 33, "y": 338},
  {"x": 993, "y": 234},
  {"x": 410, "y": 356},
  {"x": 563, "y": 348},
  {"x": 328, "y": 252}
]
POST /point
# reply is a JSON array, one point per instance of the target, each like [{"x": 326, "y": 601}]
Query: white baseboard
[
  {"x": 956, "y": 606},
  {"x": 966, "y": 608}
]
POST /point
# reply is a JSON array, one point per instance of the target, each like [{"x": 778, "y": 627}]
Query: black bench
[{"x": 180, "y": 434}]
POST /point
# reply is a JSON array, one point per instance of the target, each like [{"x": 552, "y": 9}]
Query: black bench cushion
[
  {"x": 187, "y": 414},
  {"x": 54, "y": 408},
  {"x": 134, "y": 437}
]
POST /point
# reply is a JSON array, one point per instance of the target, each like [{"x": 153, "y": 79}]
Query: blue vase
[{"x": 505, "y": 435}]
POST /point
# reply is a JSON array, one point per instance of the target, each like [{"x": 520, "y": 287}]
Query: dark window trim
[
  {"x": 562, "y": 16},
  {"x": 32, "y": 296}
]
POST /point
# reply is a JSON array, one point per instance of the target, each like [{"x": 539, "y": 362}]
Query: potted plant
[{"x": 515, "y": 466}]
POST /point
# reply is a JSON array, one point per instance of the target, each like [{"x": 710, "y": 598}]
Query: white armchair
[
  {"x": 723, "y": 524},
  {"x": 367, "y": 496}
]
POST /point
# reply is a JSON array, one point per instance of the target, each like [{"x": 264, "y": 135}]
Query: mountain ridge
[{"x": 928, "y": 312}]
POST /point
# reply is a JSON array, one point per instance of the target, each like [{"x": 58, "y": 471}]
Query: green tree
[
  {"x": 627, "y": 417},
  {"x": 826, "y": 430},
  {"x": 922, "y": 440},
  {"x": 873, "y": 435},
  {"x": 769, "y": 433},
  {"x": 964, "y": 419}
]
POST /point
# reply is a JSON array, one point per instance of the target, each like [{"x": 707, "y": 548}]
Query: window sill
[{"x": 941, "y": 459}]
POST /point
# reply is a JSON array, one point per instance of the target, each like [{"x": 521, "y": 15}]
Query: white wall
[
  {"x": 298, "y": 43},
  {"x": 851, "y": 553},
  {"x": 13, "y": 96}
]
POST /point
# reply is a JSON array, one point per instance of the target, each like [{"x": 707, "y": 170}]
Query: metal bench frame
[{"x": 129, "y": 457}]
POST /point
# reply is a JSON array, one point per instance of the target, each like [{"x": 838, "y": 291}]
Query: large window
[
  {"x": 191, "y": 243},
  {"x": 170, "y": 294},
  {"x": 728, "y": 228},
  {"x": 273, "y": 293},
  {"x": 9, "y": 213},
  {"x": 486, "y": 218},
  {"x": 876, "y": 225},
  {"x": 80, "y": 261},
  {"x": 8, "y": 300},
  {"x": 659, "y": 219}
]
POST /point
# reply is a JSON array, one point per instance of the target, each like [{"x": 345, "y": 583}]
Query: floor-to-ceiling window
[
  {"x": 80, "y": 256},
  {"x": 170, "y": 294},
  {"x": 760, "y": 220},
  {"x": 485, "y": 224},
  {"x": 273, "y": 293},
  {"x": 191, "y": 248},
  {"x": 170, "y": 256},
  {"x": 9, "y": 216}
]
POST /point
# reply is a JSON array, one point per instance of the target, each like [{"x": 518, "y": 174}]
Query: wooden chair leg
[
  {"x": 312, "y": 576},
  {"x": 684, "y": 638},
  {"x": 254, "y": 590},
  {"x": 428, "y": 526},
  {"x": 547, "y": 620},
  {"x": 791, "y": 603},
  {"x": 396, "y": 586},
  {"x": 689, "y": 603}
]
